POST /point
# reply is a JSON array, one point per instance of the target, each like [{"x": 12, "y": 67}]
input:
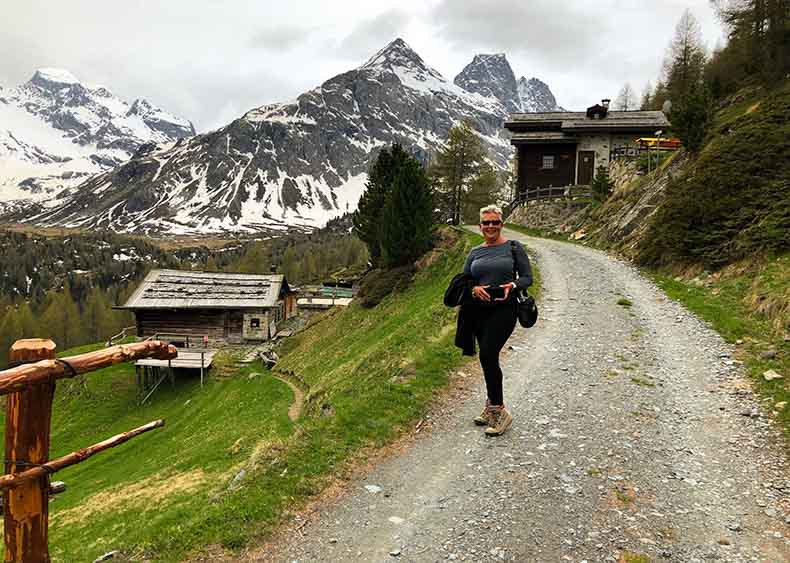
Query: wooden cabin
[
  {"x": 566, "y": 148},
  {"x": 186, "y": 307}
]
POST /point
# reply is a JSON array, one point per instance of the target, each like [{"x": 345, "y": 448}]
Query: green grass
[
  {"x": 746, "y": 307},
  {"x": 368, "y": 375},
  {"x": 623, "y": 302},
  {"x": 164, "y": 492}
]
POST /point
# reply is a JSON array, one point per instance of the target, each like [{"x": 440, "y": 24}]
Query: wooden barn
[
  {"x": 566, "y": 148},
  {"x": 188, "y": 307}
]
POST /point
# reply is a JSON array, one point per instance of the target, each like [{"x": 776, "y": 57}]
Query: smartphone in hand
[{"x": 496, "y": 292}]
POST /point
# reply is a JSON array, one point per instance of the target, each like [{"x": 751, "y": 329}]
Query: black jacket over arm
[{"x": 459, "y": 292}]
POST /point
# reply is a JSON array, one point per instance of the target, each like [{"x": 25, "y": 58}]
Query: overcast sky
[{"x": 212, "y": 61}]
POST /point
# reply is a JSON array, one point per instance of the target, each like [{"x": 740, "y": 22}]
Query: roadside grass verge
[
  {"x": 751, "y": 306},
  {"x": 229, "y": 464}
]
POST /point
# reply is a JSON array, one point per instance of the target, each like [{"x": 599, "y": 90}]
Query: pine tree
[
  {"x": 691, "y": 118},
  {"x": 367, "y": 218},
  {"x": 407, "y": 217},
  {"x": 457, "y": 166},
  {"x": 601, "y": 185},
  {"x": 484, "y": 189},
  {"x": 685, "y": 61}
]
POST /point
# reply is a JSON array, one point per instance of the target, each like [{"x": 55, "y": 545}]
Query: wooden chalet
[
  {"x": 565, "y": 148},
  {"x": 187, "y": 307}
]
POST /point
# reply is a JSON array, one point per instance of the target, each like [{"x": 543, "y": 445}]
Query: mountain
[
  {"x": 491, "y": 76},
  {"x": 296, "y": 164},
  {"x": 535, "y": 96},
  {"x": 56, "y": 132}
]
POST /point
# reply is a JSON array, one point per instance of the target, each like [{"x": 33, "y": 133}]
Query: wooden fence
[
  {"x": 29, "y": 384},
  {"x": 551, "y": 192}
]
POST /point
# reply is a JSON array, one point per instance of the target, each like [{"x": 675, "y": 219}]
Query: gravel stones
[{"x": 594, "y": 465}]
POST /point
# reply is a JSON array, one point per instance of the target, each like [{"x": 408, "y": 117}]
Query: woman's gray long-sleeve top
[{"x": 493, "y": 265}]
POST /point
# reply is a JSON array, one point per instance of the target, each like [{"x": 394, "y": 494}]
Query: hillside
[{"x": 229, "y": 462}]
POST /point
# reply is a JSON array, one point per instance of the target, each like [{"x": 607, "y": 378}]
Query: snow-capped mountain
[
  {"x": 491, "y": 76},
  {"x": 535, "y": 95},
  {"x": 55, "y": 132},
  {"x": 292, "y": 164}
]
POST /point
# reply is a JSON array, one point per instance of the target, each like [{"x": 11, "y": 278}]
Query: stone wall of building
[{"x": 548, "y": 215}]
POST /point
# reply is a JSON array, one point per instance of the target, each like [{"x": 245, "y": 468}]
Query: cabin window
[
  {"x": 255, "y": 323},
  {"x": 548, "y": 162}
]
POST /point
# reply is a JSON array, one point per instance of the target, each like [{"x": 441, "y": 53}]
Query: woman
[{"x": 491, "y": 265}]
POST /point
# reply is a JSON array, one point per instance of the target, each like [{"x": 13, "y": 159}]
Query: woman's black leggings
[{"x": 493, "y": 327}]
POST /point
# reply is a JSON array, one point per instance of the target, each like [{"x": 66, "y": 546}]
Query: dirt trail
[
  {"x": 295, "y": 410},
  {"x": 635, "y": 434}
]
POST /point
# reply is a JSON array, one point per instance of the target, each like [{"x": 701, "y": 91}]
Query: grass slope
[{"x": 171, "y": 493}]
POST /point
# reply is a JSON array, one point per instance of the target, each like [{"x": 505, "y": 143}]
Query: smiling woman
[{"x": 493, "y": 311}]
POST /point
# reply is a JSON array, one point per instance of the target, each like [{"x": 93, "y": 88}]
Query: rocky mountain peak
[
  {"x": 397, "y": 54},
  {"x": 49, "y": 78},
  {"x": 491, "y": 76},
  {"x": 535, "y": 95}
]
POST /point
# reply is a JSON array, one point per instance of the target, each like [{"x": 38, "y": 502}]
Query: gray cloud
[
  {"x": 212, "y": 61},
  {"x": 281, "y": 38},
  {"x": 370, "y": 35},
  {"x": 560, "y": 32}
]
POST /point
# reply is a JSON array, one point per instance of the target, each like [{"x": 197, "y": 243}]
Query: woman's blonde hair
[{"x": 490, "y": 209}]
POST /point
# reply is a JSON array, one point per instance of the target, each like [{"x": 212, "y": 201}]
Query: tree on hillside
[
  {"x": 759, "y": 39},
  {"x": 408, "y": 215},
  {"x": 626, "y": 99},
  {"x": 685, "y": 59},
  {"x": 691, "y": 117},
  {"x": 367, "y": 217},
  {"x": 458, "y": 168}
]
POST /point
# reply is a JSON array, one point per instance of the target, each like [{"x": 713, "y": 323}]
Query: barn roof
[{"x": 174, "y": 289}]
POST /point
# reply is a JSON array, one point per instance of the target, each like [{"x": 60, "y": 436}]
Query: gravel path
[{"x": 634, "y": 434}]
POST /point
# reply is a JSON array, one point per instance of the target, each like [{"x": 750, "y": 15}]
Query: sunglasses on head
[{"x": 495, "y": 222}]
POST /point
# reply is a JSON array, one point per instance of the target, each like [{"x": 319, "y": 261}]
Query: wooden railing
[
  {"x": 551, "y": 192},
  {"x": 29, "y": 384}
]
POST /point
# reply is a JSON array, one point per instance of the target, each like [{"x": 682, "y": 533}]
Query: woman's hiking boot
[
  {"x": 500, "y": 421},
  {"x": 484, "y": 418}
]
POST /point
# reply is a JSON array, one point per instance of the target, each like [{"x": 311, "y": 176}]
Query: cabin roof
[
  {"x": 578, "y": 121},
  {"x": 175, "y": 289},
  {"x": 527, "y": 137}
]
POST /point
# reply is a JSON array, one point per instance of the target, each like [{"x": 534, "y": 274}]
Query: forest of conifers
[{"x": 64, "y": 287}]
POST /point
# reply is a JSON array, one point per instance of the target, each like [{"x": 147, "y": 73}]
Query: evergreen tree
[
  {"x": 601, "y": 185},
  {"x": 407, "y": 218},
  {"x": 759, "y": 40},
  {"x": 483, "y": 190},
  {"x": 685, "y": 61},
  {"x": 458, "y": 165},
  {"x": 367, "y": 218},
  {"x": 691, "y": 118}
]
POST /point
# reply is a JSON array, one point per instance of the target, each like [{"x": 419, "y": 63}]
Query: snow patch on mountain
[
  {"x": 296, "y": 164},
  {"x": 56, "y": 132}
]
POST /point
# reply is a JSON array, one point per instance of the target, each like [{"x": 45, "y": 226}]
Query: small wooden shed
[{"x": 186, "y": 306}]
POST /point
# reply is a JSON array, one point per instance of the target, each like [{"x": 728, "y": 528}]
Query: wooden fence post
[{"x": 28, "y": 415}]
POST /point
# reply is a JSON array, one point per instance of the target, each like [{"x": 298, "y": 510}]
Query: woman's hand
[
  {"x": 479, "y": 292},
  {"x": 508, "y": 287}
]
